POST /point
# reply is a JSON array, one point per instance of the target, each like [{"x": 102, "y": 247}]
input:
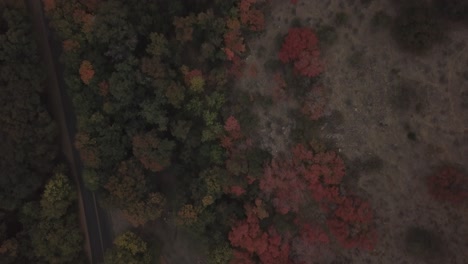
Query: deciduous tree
[
  {"x": 153, "y": 153},
  {"x": 128, "y": 248},
  {"x": 86, "y": 71},
  {"x": 301, "y": 48}
]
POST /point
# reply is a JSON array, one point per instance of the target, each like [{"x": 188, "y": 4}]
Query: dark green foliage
[
  {"x": 296, "y": 22},
  {"x": 327, "y": 36},
  {"x": 411, "y": 136},
  {"x": 422, "y": 243},
  {"x": 38, "y": 232},
  {"x": 341, "y": 19},
  {"x": 417, "y": 29},
  {"x": 27, "y": 148},
  {"x": 272, "y": 65},
  {"x": 381, "y": 20},
  {"x": 408, "y": 96},
  {"x": 455, "y": 10}
]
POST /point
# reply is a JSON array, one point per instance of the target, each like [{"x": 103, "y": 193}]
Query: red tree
[
  {"x": 250, "y": 16},
  {"x": 283, "y": 185},
  {"x": 70, "y": 45},
  {"x": 301, "y": 48},
  {"x": 312, "y": 244},
  {"x": 449, "y": 185},
  {"x": 352, "y": 224},
  {"x": 232, "y": 126},
  {"x": 269, "y": 246},
  {"x": 241, "y": 257},
  {"x": 246, "y": 234},
  {"x": 49, "y": 5},
  {"x": 86, "y": 71}
]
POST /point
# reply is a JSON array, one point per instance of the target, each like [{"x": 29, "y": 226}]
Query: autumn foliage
[
  {"x": 152, "y": 152},
  {"x": 49, "y": 5},
  {"x": 449, "y": 185},
  {"x": 301, "y": 48},
  {"x": 70, "y": 45},
  {"x": 252, "y": 240},
  {"x": 86, "y": 71},
  {"x": 290, "y": 183},
  {"x": 352, "y": 224},
  {"x": 250, "y": 15}
]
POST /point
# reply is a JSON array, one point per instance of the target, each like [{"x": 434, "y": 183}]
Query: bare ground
[{"x": 407, "y": 113}]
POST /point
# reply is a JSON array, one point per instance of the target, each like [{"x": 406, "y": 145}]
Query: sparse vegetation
[{"x": 422, "y": 243}]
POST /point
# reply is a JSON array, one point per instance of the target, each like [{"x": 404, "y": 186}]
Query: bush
[
  {"x": 381, "y": 20},
  {"x": 420, "y": 242},
  {"x": 341, "y": 19},
  {"x": 455, "y": 10},
  {"x": 327, "y": 35},
  {"x": 417, "y": 29},
  {"x": 449, "y": 185}
]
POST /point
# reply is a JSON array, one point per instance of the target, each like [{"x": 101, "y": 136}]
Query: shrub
[
  {"x": 417, "y": 29},
  {"x": 449, "y": 185},
  {"x": 341, "y": 19},
  {"x": 420, "y": 242},
  {"x": 327, "y": 35},
  {"x": 381, "y": 20}
]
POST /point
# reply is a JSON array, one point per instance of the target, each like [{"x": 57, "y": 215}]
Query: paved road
[{"x": 97, "y": 231}]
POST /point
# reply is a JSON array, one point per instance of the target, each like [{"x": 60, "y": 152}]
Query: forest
[
  {"x": 172, "y": 132},
  {"x": 38, "y": 199}
]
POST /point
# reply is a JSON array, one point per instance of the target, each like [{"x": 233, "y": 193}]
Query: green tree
[
  {"x": 128, "y": 249},
  {"x": 158, "y": 46},
  {"x": 57, "y": 197}
]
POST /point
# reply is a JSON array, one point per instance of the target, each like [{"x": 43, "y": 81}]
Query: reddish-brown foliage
[
  {"x": 234, "y": 46},
  {"x": 85, "y": 19},
  {"x": 311, "y": 245},
  {"x": 90, "y": 4},
  {"x": 86, "y": 146},
  {"x": 190, "y": 74},
  {"x": 269, "y": 246},
  {"x": 236, "y": 190},
  {"x": 289, "y": 182},
  {"x": 232, "y": 126},
  {"x": 237, "y": 67},
  {"x": 234, "y": 133},
  {"x": 103, "y": 88},
  {"x": 250, "y": 16},
  {"x": 352, "y": 224},
  {"x": 283, "y": 185},
  {"x": 184, "y": 28},
  {"x": 48, "y": 5},
  {"x": 301, "y": 48},
  {"x": 294, "y": 2},
  {"x": 449, "y": 185},
  {"x": 86, "y": 71},
  {"x": 241, "y": 257},
  {"x": 70, "y": 45},
  {"x": 246, "y": 234},
  {"x": 233, "y": 40},
  {"x": 147, "y": 148}
]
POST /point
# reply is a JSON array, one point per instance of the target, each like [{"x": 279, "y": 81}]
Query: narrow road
[{"x": 97, "y": 232}]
